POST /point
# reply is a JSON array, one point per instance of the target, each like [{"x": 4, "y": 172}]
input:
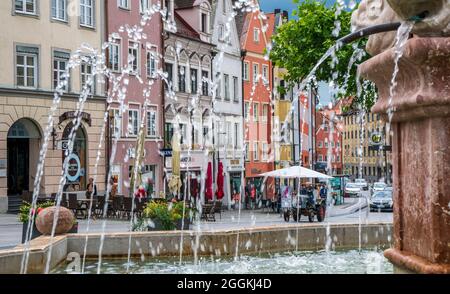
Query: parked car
[
  {"x": 378, "y": 186},
  {"x": 382, "y": 201},
  {"x": 352, "y": 189},
  {"x": 362, "y": 183}
]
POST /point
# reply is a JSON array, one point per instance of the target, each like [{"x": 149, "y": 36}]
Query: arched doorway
[
  {"x": 23, "y": 155},
  {"x": 76, "y": 171}
]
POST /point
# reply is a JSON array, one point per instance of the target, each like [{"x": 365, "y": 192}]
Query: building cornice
[{"x": 32, "y": 93}]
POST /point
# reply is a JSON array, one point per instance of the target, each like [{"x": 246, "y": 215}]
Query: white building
[{"x": 227, "y": 97}]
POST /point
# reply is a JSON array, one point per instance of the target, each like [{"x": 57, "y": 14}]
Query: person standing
[{"x": 91, "y": 189}]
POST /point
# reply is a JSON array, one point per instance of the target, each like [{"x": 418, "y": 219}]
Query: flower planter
[
  {"x": 34, "y": 234},
  {"x": 187, "y": 222}
]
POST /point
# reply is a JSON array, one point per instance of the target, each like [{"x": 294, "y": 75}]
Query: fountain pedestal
[{"x": 421, "y": 151}]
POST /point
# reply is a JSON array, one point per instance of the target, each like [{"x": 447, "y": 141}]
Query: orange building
[{"x": 255, "y": 29}]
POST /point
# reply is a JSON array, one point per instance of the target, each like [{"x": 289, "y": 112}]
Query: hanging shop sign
[
  {"x": 73, "y": 115},
  {"x": 73, "y": 168},
  {"x": 376, "y": 139}
]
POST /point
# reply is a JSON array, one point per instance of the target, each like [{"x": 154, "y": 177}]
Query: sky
[{"x": 288, "y": 5}]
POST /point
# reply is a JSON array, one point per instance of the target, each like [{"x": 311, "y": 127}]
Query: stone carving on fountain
[
  {"x": 421, "y": 133},
  {"x": 436, "y": 12},
  {"x": 435, "y": 22},
  {"x": 374, "y": 12}
]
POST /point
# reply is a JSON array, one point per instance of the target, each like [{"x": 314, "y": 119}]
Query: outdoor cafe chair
[
  {"x": 127, "y": 207},
  {"x": 208, "y": 213},
  {"x": 218, "y": 207},
  {"x": 77, "y": 209}
]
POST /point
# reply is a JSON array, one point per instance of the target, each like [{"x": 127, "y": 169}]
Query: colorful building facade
[{"x": 143, "y": 105}]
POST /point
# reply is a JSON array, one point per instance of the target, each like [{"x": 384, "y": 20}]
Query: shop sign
[
  {"x": 73, "y": 115},
  {"x": 166, "y": 152},
  {"x": 188, "y": 162},
  {"x": 73, "y": 168},
  {"x": 63, "y": 145},
  {"x": 256, "y": 171},
  {"x": 376, "y": 139}
]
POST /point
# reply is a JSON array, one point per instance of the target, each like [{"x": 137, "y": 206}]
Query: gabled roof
[{"x": 184, "y": 29}]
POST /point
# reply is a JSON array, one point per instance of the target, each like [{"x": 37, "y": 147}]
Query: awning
[{"x": 295, "y": 172}]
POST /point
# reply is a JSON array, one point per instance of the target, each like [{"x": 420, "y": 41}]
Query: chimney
[
  {"x": 285, "y": 15},
  {"x": 277, "y": 10}
]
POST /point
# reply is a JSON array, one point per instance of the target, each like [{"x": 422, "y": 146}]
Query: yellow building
[
  {"x": 37, "y": 39},
  {"x": 359, "y": 159}
]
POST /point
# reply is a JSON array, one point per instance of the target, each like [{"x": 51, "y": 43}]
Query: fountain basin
[{"x": 220, "y": 243}]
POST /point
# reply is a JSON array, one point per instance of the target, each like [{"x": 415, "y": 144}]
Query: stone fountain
[{"x": 420, "y": 125}]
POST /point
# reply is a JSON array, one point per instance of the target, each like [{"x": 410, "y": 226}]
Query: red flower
[{"x": 39, "y": 210}]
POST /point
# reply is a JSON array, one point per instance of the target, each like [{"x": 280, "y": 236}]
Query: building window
[
  {"x": 326, "y": 143},
  {"x": 114, "y": 57},
  {"x": 319, "y": 158},
  {"x": 194, "y": 80},
  {"x": 282, "y": 86},
  {"x": 224, "y": 6},
  {"x": 133, "y": 56},
  {"x": 168, "y": 134},
  {"x": 221, "y": 33},
  {"x": 235, "y": 89},
  {"x": 25, "y": 6},
  {"x": 151, "y": 64},
  {"x": 338, "y": 144},
  {"x": 229, "y": 134},
  {"x": 218, "y": 87},
  {"x": 27, "y": 66},
  {"x": 59, "y": 10},
  {"x": 246, "y": 71},
  {"x": 265, "y": 114},
  {"x": 332, "y": 144},
  {"x": 226, "y": 79},
  {"x": 168, "y": 68},
  {"x": 133, "y": 122},
  {"x": 152, "y": 122},
  {"x": 265, "y": 74},
  {"x": 87, "y": 80},
  {"x": 255, "y": 72},
  {"x": 247, "y": 152},
  {"x": 87, "y": 13},
  {"x": 255, "y": 112},
  {"x": 205, "y": 83},
  {"x": 124, "y": 4},
  {"x": 256, "y": 35},
  {"x": 246, "y": 110},
  {"x": 265, "y": 151},
  {"x": 236, "y": 135},
  {"x": 204, "y": 23},
  {"x": 182, "y": 78},
  {"x": 116, "y": 123},
  {"x": 144, "y": 5},
  {"x": 319, "y": 144},
  {"x": 338, "y": 158},
  {"x": 60, "y": 63},
  {"x": 255, "y": 151}
]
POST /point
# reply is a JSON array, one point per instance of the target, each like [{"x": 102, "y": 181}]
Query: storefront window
[{"x": 75, "y": 169}]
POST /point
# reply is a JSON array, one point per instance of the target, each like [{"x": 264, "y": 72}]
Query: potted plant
[
  {"x": 24, "y": 214},
  {"x": 163, "y": 216}
]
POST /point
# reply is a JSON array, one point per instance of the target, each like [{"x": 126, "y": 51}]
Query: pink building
[{"x": 144, "y": 96}]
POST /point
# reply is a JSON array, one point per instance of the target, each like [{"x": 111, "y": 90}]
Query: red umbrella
[
  {"x": 219, "y": 192},
  {"x": 209, "y": 182}
]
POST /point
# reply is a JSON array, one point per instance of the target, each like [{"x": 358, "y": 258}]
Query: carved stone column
[{"x": 421, "y": 151}]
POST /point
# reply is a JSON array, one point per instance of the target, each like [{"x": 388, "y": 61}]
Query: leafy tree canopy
[{"x": 299, "y": 44}]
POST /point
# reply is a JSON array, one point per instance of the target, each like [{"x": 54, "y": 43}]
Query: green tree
[{"x": 299, "y": 44}]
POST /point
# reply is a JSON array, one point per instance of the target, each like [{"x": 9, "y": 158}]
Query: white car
[
  {"x": 362, "y": 183},
  {"x": 352, "y": 189},
  {"x": 379, "y": 186}
]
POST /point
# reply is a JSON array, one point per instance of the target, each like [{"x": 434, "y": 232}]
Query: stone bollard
[
  {"x": 44, "y": 221},
  {"x": 421, "y": 151}
]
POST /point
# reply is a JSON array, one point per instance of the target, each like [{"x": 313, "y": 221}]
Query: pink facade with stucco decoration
[{"x": 119, "y": 22}]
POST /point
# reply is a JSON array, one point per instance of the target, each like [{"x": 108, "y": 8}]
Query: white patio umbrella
[{"x": 295, "y": 172}]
